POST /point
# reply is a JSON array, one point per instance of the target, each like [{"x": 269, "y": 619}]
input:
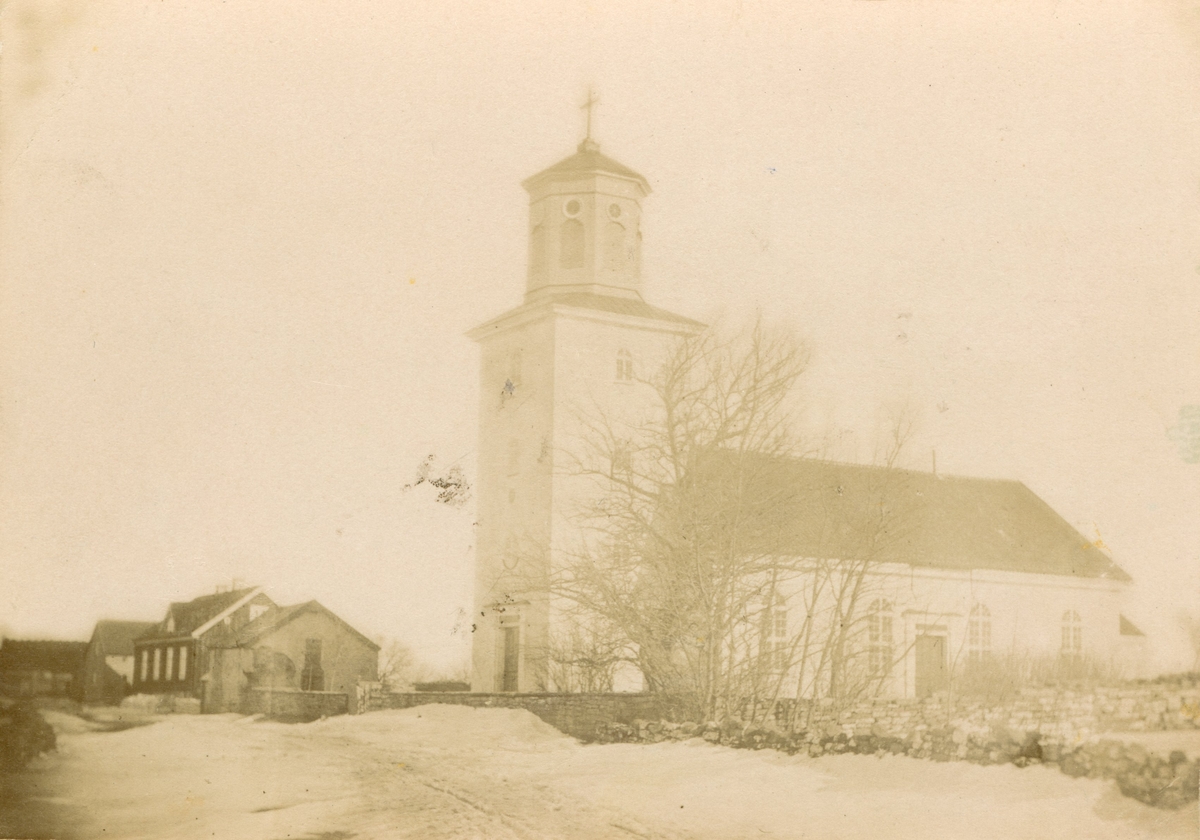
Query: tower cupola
[{"x": 584, "y": 227}]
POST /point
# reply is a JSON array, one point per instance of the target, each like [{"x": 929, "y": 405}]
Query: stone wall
[
  {"x": 580, "y": 715},
  {"x": 293, "y": 705},
  {"x": 1060, "y": 716}
]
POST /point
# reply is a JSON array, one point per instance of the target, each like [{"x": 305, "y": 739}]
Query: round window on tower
[
  {"x": 572, "y": 207},
  {"x": 614, "y": 211}
]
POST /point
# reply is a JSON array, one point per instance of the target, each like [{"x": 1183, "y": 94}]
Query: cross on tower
[{"x": 591, "y": 101}]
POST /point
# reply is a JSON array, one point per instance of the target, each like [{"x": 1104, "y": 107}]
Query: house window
[
  {"x": 1072, "y": 635},
  {"x": 145, "y": 664},
  {"x": 774, "y": 637},
  {"x": 183, "y": 654},
  {"x": 170, "y": 667},
  {"x": 979, "y": 634},
  {"x": 624, "y": 366},
  {"x": 879, "y": 638},
  {"x": 256, "y": 610},
  {"x": 312, "y": 678},
  {"x": 157, "y": 663}
]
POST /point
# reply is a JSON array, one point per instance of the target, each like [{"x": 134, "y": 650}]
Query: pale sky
[{"x": 242, "y": 243}]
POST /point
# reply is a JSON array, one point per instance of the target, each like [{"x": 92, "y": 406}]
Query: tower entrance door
[{"x": 510, "y": 640}]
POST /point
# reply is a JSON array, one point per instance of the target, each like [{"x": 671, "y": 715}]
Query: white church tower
[{"x": 572, "y": 351}]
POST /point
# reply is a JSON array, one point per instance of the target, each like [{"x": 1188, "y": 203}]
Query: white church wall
[
  {"x": 515, "y": 465},
  {"x": 590, "y": 393},
  {"x": 1024, "y": 617}
]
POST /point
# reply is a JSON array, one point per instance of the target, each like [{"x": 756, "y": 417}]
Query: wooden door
[
  {"x": 931, "y": 664},
  {"x": 512, "y": 652}
]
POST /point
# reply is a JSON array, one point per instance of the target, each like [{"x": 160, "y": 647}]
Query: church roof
[
  {"x": 587, "y": 300},
  {"x": 621, "y": 306},
  {"x": 588, "y": 160},
  {"x": 813, "y": 508}
]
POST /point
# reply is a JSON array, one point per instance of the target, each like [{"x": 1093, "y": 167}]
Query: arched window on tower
[
  {"x": 624, "y": 366},
  {"x": 570, "y": 252},
  {"x": 1072, "y": 635},
  {"x": 615, "y": 252},
  {"x": 879, "y": 638},
  {"x": 979, "y": 634}
]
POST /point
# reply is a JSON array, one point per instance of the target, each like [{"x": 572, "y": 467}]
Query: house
[
  {"x": 173, "y": 656},
  {"x": 108, "y": 663},
  {"x": 217, "y": 647},
  {"x": 34, "y": 668},
  {"x": 978, "y": 566},
  {"x": 302, "y": 647}
]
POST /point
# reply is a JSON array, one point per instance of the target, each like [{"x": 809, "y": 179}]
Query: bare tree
[
  {"x": 399, "y": 667},
  {"x": 681, "y": 538},
  {"x": 451, "y": 486},
  {"x": 692, "y": 550}
]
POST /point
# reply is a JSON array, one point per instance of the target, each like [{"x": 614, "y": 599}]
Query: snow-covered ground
[{"x": 457, "y": 772}]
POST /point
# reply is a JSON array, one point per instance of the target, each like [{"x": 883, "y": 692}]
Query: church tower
[{"x": 573, "y": 350}]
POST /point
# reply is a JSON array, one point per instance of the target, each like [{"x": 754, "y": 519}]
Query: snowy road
[{"x": 455, "y": 772}]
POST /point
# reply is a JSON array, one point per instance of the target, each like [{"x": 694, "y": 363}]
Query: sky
[{"x": 240, "y": 245}]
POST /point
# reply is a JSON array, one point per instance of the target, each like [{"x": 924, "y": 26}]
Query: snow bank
[
  {"x": 65, "y": 724},
  {"x": 461, "y": 772},
  {"x": 452, "y": 728}
]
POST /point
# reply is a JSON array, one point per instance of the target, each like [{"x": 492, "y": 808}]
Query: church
[{"x": 986, "y": 567}]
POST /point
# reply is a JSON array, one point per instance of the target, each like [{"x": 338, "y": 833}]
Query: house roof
[
  {"x": 115, "y": 638},
  {"x": 273, "y": 620},
  {"x": 814, "y": 508},
  {"x": 39, "y": 655},
  {"x": 189, "y": 615},
  {"x": 588, "y": 160}
]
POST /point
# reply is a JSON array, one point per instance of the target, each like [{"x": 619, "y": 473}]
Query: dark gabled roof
[
  {"x": 812, "y": 508},
  {"x": 191, "y": 614},
  {"x": 1128, "y": 628},
  {"x": 39, "y": 655},
  {"x": 272, "y": 620},
  {"x": 587, "y": 160},
  {"x": 115, "y": 638}
]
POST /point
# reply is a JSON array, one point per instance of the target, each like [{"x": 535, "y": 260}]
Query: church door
[
  {"x": 512, "y": 652},
  {"x": 931, "y": 664}
]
